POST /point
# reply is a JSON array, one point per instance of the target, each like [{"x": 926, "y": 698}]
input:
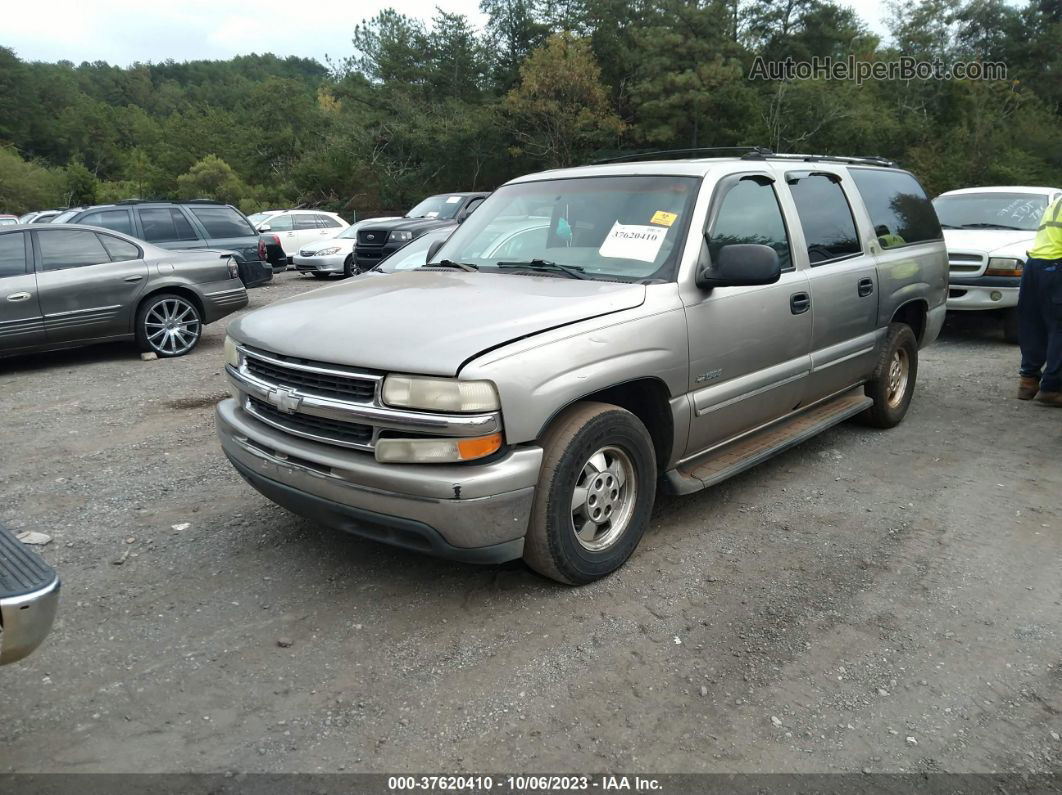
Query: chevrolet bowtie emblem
[{"x": 285, "y": 400}]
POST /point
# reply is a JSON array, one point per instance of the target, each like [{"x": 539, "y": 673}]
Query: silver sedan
[{"x": 67, "y": 285}]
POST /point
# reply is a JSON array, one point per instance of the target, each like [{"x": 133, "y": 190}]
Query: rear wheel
[
  {"x": 168, "y": 325},
  {"x": 893, "y": 383},
  {"x": 594, "y": 496}
]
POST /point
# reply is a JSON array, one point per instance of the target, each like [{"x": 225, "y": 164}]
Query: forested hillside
[{"x": 417, "y": 108}]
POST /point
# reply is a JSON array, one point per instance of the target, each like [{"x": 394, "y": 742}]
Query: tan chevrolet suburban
[{"x": 645, "y": 325}]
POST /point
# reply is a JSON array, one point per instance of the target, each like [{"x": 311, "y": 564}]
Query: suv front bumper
[
  {"x": 983, "y": 292},
  {"x": 476, "y": 513}
]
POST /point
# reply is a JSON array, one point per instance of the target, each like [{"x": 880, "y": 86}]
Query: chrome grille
[
  {"x": 329, "y": 384},
  {"x": 960, "y": 263},
  {"x": 345, "y": 434}
]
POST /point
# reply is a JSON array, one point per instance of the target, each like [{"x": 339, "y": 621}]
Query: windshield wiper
[
  {"x": 449, "y": 263},
  {"x": 992, "y": 226},
  {"x": 545, "y": 265}
]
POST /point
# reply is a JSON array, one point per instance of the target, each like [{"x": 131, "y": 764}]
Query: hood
[
  {"x": 344, "y": 244},
  {"x": 988, "y": 241},
  {"x": 427, "y": 322},
  {"x": 415, "y": 225}
]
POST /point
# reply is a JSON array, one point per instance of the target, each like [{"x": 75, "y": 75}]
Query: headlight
[
  {"x": 436, "y": 451},
  {"x": 232, "y": 355},
  {"x": 400, "y": 237},
  {"x": 234, "y": 269},
  {"x": 1004, "y": 266},
  {"x": 439, "y": 394},
  {"x": 324, "y": 252}
]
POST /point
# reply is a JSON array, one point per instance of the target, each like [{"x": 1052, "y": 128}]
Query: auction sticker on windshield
[
  {"x": 663, "y": 218},
  {"x": 633, "y": 241}
]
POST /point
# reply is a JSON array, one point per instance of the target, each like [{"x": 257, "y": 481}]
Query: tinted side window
[
  {"x": 223, "y": 222},
  {"x": 279, "y": 223},
  {"x": 165, "y": 225},
  {"x": 472, "y": 205},
  {"x": 69, "y": 248},
  {"x": 898, "y": 207},
  {"x": 12, "y": 255},
  {"x": 118, "y": 249},
  {"x": 327, "y": 222},
  {"x": 825, "y": 217},
  {"x": 749, "y": 213},
  {"x": 305, "y": 221},
  {"x": 118, "y": 220}
]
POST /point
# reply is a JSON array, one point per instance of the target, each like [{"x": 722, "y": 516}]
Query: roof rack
[
  {"x": 865, "y": 160},
  {"x": 745, "y": 153},
  {"x": 170, "y": 201},
  {"x": 679, "y": 154}
]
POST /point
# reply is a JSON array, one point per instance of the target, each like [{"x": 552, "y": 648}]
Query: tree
[
  {"x": 560, "y": 111},
  {"x": 81, "y": 184},
  {"x": 211, "y": 178}
]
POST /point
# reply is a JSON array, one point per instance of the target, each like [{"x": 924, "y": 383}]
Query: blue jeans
[{"x": 1040, "y": 322}]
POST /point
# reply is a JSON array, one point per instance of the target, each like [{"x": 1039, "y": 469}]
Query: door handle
[
  {"x": 866, "y": 287},
  {"x": 19, "y": 297},
  {"x": 799, "y": 303},
  {"x": 132, "y": 278}
]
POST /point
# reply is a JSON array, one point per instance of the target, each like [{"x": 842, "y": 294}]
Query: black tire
[
  {"x": 348, "y": 267},
  {"x": 317, "y": 275},
  {"x": 155, "y": 333},
  {"x": 891, "y": 400},
  {"x": 580, "y": 434},
  {"x": 1010, "y": 325}
]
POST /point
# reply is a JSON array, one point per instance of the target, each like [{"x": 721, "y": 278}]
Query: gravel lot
[{"x": 868, "y": 601}]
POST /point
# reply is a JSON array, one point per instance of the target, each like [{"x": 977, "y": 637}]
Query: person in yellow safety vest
[
  {"x": 886, "y": 239},
  {"x": 1040, "y": 313}
]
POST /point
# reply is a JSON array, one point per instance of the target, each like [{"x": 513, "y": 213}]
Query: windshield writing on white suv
[
  {"x": 610, "y": 228},
  {"x": 1021, "y": 211}
]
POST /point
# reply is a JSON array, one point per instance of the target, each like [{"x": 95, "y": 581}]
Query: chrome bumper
[
  {"x": 29, "y": 598},
  {"x": 468, "y": 512}
]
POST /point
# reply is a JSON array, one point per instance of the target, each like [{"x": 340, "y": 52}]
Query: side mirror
[
  {"x": 265, "y": 228},
  {"x": 740, "y": 265},
  {"x": 433, "y": 249}
]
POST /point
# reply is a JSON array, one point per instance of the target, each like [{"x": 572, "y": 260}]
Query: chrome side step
[{"x": 746, "y": 452}]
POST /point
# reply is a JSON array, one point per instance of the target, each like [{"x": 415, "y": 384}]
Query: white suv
[
  {"x": 988, "y": 232},
  {"x": 294, "y": 229}
]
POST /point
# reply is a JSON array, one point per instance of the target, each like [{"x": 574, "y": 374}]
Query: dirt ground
[{"x": 868, "y": 601}]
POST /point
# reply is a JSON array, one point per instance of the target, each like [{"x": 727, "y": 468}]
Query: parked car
[
  {"x": 68, "y": 285},
  {"x": 8, "y": 220},
  {"x": 185, "y": 225},
  {"x": 334, "y": 255},
  {"x": 673, "y": 324},
  {"x": 29, "y": 598},
  {"x": 378, "y": 240},
  {"x": 294, "y": 229},
  {"x": 988, "y": 232},
  {"x": 40, "y": 216}
]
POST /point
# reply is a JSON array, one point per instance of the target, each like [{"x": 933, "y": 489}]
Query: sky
[{"x": 125, "y": 31}]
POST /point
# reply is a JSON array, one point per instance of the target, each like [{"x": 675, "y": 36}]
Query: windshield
[
  {"x": 991, "y": 211},
  {"x": 62, "y": 218},
  {"x": 259, "y": 218},
  {"x": 444, "y": 206},
  {"x": 609, "y": 228}
]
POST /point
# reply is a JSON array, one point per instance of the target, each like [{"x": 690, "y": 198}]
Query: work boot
[
  {"x": 1050, "y": 399},
  {"x": 1028, "y": 387}
]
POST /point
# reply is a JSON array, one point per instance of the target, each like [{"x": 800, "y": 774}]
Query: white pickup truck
[{"x": 988, "y": 232}]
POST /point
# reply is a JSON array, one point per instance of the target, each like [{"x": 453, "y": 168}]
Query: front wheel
[
  {"x": 349, "y": 268},
  {"x": 594, "y": 496},
  {"x": 168, "y": 325},
  {"x": 893, "y": 383}
]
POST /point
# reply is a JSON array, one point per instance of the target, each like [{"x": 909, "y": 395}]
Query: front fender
[{"x": 539, "y": 376}]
